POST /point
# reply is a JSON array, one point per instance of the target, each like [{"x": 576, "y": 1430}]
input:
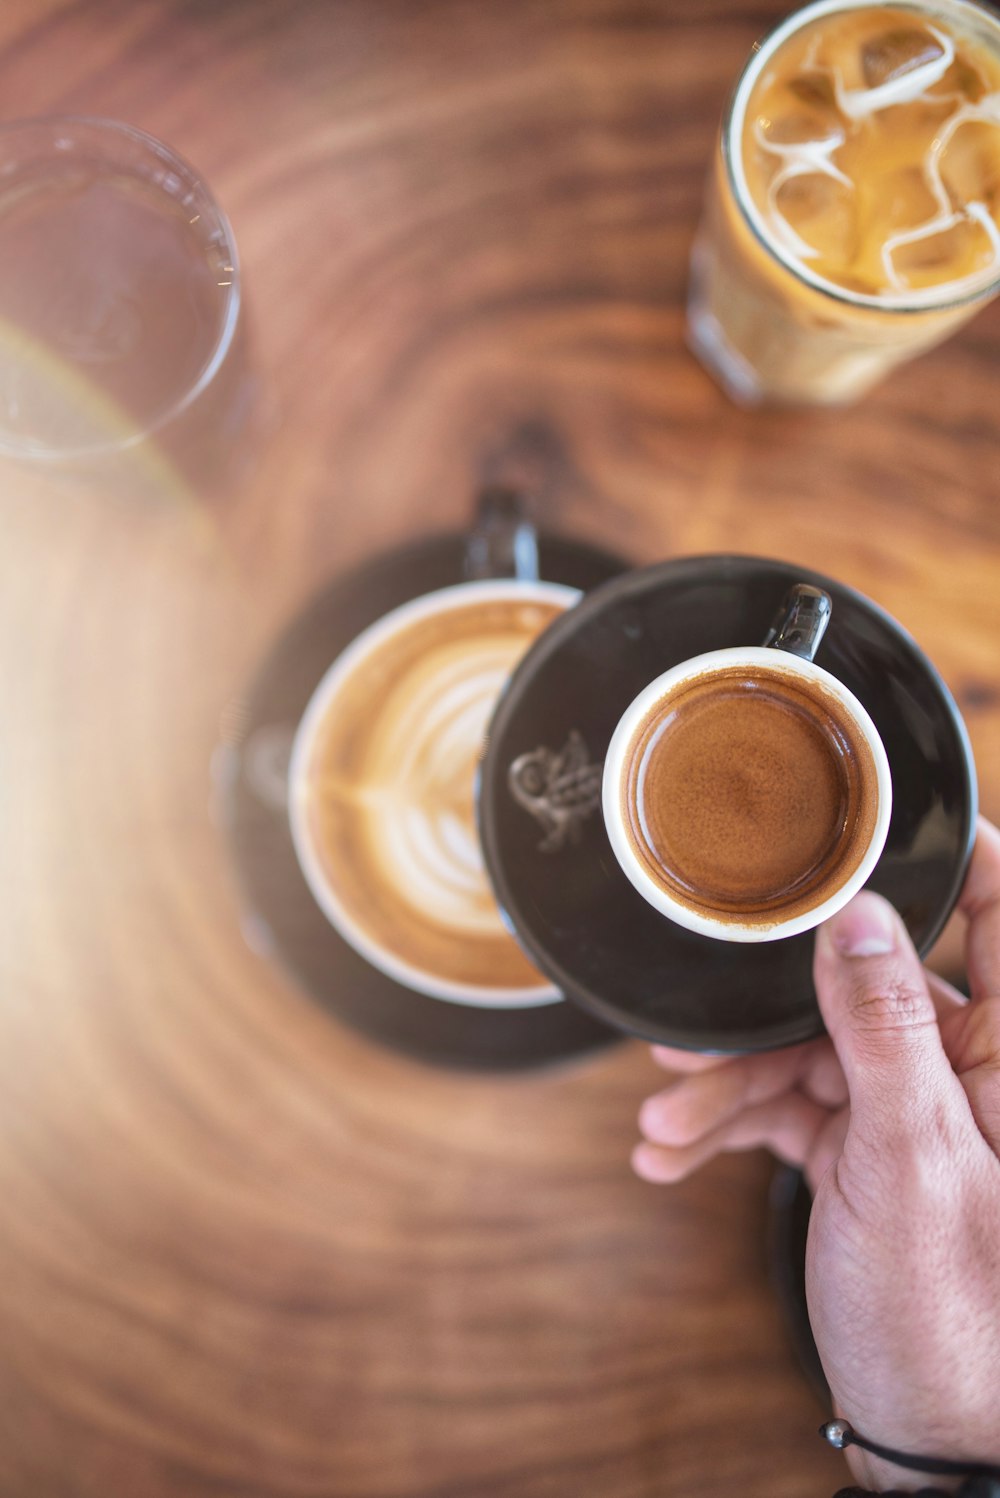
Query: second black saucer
[
  {"x": 549, "y": 857},
  {"x": 282, "y": 920}
]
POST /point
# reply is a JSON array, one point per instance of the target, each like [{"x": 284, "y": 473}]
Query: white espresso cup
[{"x": 660, "y": 790}]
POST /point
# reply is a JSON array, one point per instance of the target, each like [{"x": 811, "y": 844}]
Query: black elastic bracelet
[
  {"x": 972, "y": 1487},
  {"x": 840, "y": 1434}
]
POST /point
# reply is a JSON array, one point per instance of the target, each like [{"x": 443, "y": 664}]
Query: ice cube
[
  {"x": 895, "y": 53},
  {"x": 970, "y": 164},
  {"x": 814, "y": 89},
  {"x": 963, "y": 249},
  {"x": 822, "y": 212},
  {"x": 964, "y": 79},
  {"x": 799, "y": 127},
  {"x": 903, "y": 201},
  {"x": 895, "y": 67}
]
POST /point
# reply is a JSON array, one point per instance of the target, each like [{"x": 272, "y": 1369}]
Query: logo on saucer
[{"x": 560, "y": 790}]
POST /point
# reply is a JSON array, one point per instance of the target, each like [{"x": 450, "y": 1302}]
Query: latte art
[
  {"x": 414, "y": 805},
  {"x": 388, "y": 792}
]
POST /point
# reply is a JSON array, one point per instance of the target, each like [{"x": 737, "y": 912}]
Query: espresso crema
[{"x": 750, "y": 795}]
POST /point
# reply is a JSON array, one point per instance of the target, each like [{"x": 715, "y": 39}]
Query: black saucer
[
  {"x": 576, "y": 913},
  {"x": 284, "y": 920}
]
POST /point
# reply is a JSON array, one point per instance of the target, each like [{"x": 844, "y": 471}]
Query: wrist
[
  {"x": 880, "y": 1468},
  {"x": 880, "y": 1476}
]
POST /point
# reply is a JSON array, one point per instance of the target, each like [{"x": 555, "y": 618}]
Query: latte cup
[
  {"x": 382, "y": 775},
  {"x": 746, "y": 792}
]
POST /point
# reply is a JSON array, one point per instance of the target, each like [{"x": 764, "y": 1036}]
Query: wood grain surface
[{"x": 242, "y": 1251}]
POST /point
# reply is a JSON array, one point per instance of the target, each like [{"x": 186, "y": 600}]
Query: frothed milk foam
[{"x": 390, "y": 790}]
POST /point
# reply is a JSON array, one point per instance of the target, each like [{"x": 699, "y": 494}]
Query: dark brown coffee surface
[{"x": 749, "y": 795}]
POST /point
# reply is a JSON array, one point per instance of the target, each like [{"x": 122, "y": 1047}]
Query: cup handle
[
  {"x": 503, "y": 542},
  {"x": 801, "y": 624}
]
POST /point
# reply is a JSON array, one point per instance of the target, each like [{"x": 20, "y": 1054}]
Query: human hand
[{"x": 896, "y": 1121}]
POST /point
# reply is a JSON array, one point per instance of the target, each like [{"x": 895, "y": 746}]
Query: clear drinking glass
[
  {"x": 121, "y": 328},
  {"x": 761, "y": 317}
]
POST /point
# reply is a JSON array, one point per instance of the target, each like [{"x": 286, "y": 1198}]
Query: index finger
[{"x": 980, "y": 902}]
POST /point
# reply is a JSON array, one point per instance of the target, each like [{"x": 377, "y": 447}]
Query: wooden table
[{"x": 243, "y": 1251}]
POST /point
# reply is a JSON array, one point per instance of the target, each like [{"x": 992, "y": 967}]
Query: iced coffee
[{"x": 853, "y": 216}]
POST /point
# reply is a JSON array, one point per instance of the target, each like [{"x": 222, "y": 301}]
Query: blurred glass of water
[{"x": 121, "y": 328}]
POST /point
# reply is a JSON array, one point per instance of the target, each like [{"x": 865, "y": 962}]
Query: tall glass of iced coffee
[{"x": 853, "y": 213}]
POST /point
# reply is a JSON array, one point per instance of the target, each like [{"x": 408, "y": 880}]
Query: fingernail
[{"x": 864, "y": 928}]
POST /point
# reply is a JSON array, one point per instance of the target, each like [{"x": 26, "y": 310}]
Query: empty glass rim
[
  {"x": 194, "y": 183},
  {"x": 927, "y": 299}
]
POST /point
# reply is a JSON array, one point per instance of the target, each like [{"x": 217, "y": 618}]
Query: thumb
[{"x": 876, "y": 1004}]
